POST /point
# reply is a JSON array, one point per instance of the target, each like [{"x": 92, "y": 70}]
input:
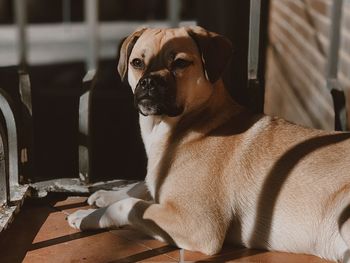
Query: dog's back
[{"x": 285, "y": 186}]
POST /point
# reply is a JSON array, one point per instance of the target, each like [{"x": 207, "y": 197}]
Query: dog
[{"x": 216, "y": 171}]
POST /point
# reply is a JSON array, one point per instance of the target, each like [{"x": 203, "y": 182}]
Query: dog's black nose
[
  {"x": 151, "y": 83},
  {"x": 147, "y": 83},
  {"x": 149, "y": 86}
]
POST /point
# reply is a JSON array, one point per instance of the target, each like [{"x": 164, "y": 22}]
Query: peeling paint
[
  {"x": 7, "y": 213},
  {"x": 41, "y": 189}
]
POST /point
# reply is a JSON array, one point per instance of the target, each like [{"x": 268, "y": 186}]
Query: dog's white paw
[
  {"x": 103, "y": 198},
  {"x": 81, "y": 220}
]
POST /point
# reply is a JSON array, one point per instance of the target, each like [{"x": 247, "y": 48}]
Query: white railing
[
  {"x": 11, "y": 192},
  {"x": 87, "y": 41},
  {"x": 22, "y": 44}
]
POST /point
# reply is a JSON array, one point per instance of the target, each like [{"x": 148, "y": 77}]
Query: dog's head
[{"x": 172, "y": 71}]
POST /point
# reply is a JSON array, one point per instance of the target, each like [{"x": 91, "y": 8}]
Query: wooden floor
[{"x": 40, "y": 233}]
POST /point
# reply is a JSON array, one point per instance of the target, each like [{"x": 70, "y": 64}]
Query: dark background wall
[{"x": 230, "y": 18}]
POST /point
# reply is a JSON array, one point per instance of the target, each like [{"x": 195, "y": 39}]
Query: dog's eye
[
  {"x": 137, "y": 63},
  {"x": 180, "y": 63}
]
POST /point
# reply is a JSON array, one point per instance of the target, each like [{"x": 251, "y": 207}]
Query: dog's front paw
[
  {"x": 104, "y": 198},
  {"x": 83, "y": 219}
]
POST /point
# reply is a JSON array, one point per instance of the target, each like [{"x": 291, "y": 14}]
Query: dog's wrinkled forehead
[
  {"x": 160, "y": 46},
  {"x": 163, "y": 44}
]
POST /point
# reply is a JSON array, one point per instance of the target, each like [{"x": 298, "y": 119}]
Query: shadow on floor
[
  {"x": 146, "y": 254},
  {"x": 18, "y": 239}
]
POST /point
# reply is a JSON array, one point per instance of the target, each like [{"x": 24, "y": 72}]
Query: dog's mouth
[
  {"x": 154, "y": 95},
  {"x": 148, "y": 105}
]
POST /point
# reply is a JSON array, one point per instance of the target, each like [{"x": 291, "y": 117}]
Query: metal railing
[
  {"x": 255, "y": 88},
  {"x": 4, "y": 180},
  {"x": 11, "y": 192},
  {"x": 8, "y": 139},
  {"x": 92, "y": 28},
  {"x": 339, "y": 102},
  {"x": 331, "y": 75},
  {"x": 254, "y": 40}
]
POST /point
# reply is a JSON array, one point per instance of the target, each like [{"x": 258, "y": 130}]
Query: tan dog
[{"x": 217, "y": 172}]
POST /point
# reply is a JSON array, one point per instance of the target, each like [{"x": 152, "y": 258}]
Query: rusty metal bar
[
  {"x": 333, "y": 52},
  {"x": 332, "y": 67},
  {"x": 91, "y": 18},
  {"x": 4, "y": 180},
  {"x": 21, "y": 21},
  {"x": 84, "y": 127},
  {"x": 66, "y": 11},
  {"x": 26, "y": 131},
  {"x": 174, "y": 8},
  {"x": 11, "y": 129},
  {"x": 254, "y": 82},
  {"x": 254, "y": 39},
  {"x": 25, "y": 90},
  {"x": 12, "y": 194},
  {"x": 181, "y": 255}
]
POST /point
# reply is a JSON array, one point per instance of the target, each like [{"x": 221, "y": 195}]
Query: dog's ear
[
  {"x": 215, "y": 49},
  {"x": 125, "y": 48}
]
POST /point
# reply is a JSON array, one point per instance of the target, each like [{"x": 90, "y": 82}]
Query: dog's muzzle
[
  {"x": 149, "y": 95},
  {"x": 154, "y": 95}
]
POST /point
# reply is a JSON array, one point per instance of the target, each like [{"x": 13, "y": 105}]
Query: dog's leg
[
  {"x": 345, "y": 234},
  {"x": 163, "y": 222},
  {"x": 103, "y": 198},
  {"x": 344, "y": 227}
]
